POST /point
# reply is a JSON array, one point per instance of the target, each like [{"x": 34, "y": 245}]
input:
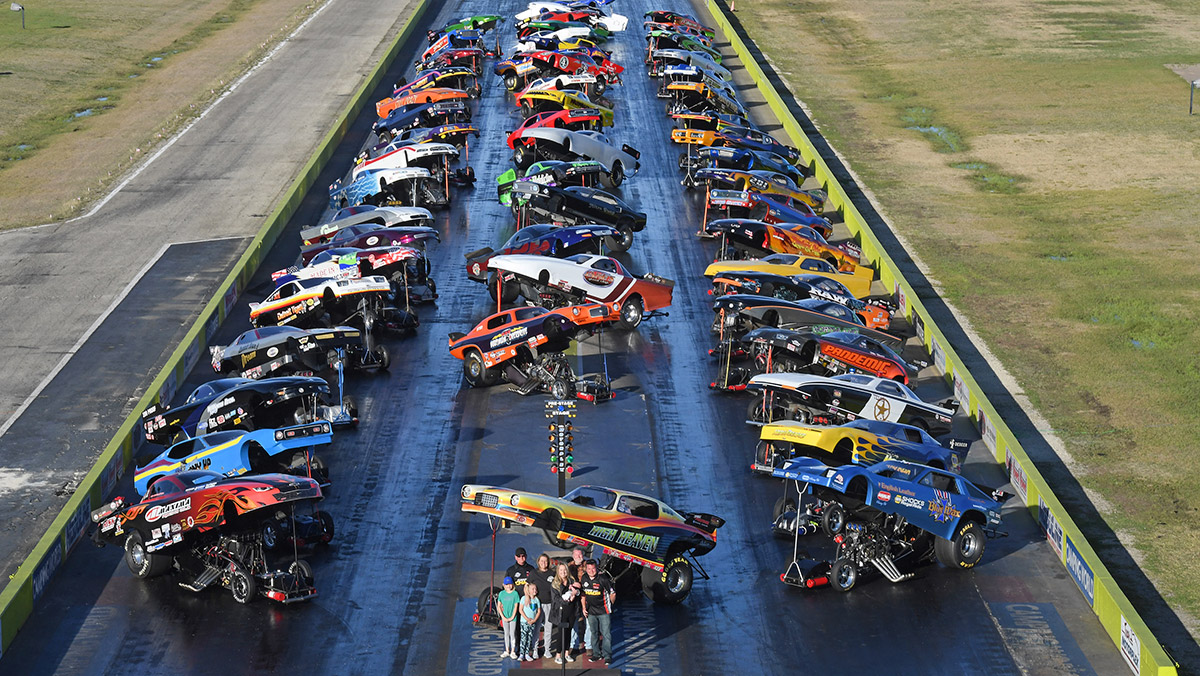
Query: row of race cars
[
  {"x": 230, "y": 481},
  {"x": 795, "y": 327}
]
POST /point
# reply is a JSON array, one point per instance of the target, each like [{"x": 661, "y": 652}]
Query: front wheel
[
  {"x": 510, "y": 82},
  {"x": 562, "y": 389},
  {"x": 624, "y": 240},
  {"x": 632, "y": 312},
  {"x": 241, "y": 583},
  {"x": 965, "y": 549},
  {"x": 142, "y": 563},
  {"x": 476, "y": 373},
  {"x": 385, "y": 359},
  {"x": 617, "y": 176},
  {"x": 301, "y": 570},
  {"x": 672, "y": 585},
  {"x": 326, "y": 522},
  {"x": 843, "y": 575},
  {"x": 833, "y": 518},
  {"x": 270, "y": 534}
]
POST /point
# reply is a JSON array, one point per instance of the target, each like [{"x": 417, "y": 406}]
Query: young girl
[
  {"x": 508, "y": 601},
  {"x": 531, "y": 614}
]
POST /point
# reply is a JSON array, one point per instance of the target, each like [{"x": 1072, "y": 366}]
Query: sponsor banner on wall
[
  {"x": 1053, "y": 530},
  {"x": 112, "y": 474},
  {"x": 190, "y": 355},
  {"x": 78, "y": 523},
  {"x": 231, "y": 296},
  {"x": 987, "y": 430},
  {"x": 1080, "y": 571},
  {"x": 210, "y": 327},
  {"x": 920, "y": 326},
  {"x": 1016, "y": 475},
  {"x": 961, "y": 394},
  {"x": 45, "y": 569},
  {"x": 939, "y": 357},
  {"x": 1131, "y": 647},
  {"x": 902, "y": 298}
]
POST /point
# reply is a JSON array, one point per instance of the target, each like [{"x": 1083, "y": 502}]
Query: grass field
[
  {"x": 90, "y": 87},
  {"x": 1039, "y": 158}
]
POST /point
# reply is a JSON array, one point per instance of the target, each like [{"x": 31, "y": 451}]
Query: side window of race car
[
  {"x": 641, "y": 508},
  {"x": 913, "y": 436},
  {"x": 182, "y": 449},
  {"x": 889, "y": 389},
  {"x": 940, "y": 482},
  {"x": 605, "y": 265},
  {"x": 497, "y": 322}
]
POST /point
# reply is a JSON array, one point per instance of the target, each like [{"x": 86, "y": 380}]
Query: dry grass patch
[{"x": 1039, "y": 158}]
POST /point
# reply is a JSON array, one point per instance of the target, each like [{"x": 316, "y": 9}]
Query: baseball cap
[
  {"x": 520, "y": 551},
  {"x": 508, "y": 580}
]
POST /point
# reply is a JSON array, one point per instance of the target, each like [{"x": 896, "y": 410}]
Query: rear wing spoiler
[
  {"x": 631, "y": 150},
  {"x": 705, "y": 522}
]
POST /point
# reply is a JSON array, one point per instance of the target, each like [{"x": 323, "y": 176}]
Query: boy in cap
[{"x": 508, "y": 600}]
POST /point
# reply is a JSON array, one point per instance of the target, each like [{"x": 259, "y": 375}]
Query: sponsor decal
[
  {"x": 1080, "y": 571},
  {"x": 272, "y": 352},
  {"x": 960, "y": 391},
  {"x": 646, "y": 543},
  {"x": 883, "y": 496},
  {"x": 939, "y": 355},
  {"x": 162, "y": 511},
  {"x": 1131, "y": 647},
  {"x": 905, "y": 501},
  {"x": 837, "y": 479},
  {"x": 1016, "y": 475},
  {"x": 883, "y": 408},
  {"x": 510, "y": 335},
  {"x": 372, "y": 240},
  {"x": 603, "y": 532},
  {"x": 1051, "y": 527},
  {"x": 108, "y": 523},
  {"x": 941, "y": 508},
  {"x": 902, "y": 303},
  {"x": 866, "y": 362},
  {"x": 598, "y": 277},
  {"x": 45, "y": 569}
]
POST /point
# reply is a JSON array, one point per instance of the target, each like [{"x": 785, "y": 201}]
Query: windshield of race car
[{"x": 592, "y": 496}]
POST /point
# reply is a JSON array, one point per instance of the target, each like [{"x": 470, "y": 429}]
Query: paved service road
[
  {"x": 217, "y": 181},
  {"x": 400, "y": 581}
]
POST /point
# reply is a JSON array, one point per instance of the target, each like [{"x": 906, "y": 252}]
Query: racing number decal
[{"x": 562, "y": 63}]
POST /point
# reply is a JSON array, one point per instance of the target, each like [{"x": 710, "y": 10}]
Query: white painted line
[
  {"x": 92, "y": 329},
  {"x": 176, "y": 137}
]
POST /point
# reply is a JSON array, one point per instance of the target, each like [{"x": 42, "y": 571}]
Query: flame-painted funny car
[
  {"x": 238, "y": 403},
  {"x": 304, "y": 302},
  {"x": 738, "y": 137},
  {"x": 541, "y": 239},
  {"x": 840, "y": 399},
  {"x": 876, "y": 314},
  {"x": 638, "y": 534},
  {"x": 211, "y": 528},
  {"x": 553, "y": 282},
  {"x": 576, "y": 205},
  {"x": 858, "y": 284},
  {"x": 751, "y": 239},
  {"x": 742, "y": 159},
  {"x": 891, "y": 514},
  {"x": 453, "y": 77},
  {"x": 431, "y": 95},
  {"x": 236, "y": 452},
  {"x": 371, "y": 235},
  {"x": 858, "y": 442},
  {"x": 524, "y": 346},
  {"x": 742, "y": 312},
  {"x": 550, "y": 172}
]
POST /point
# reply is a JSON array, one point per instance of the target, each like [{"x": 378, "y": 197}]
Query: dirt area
[
  {"x": 1039, "y": 158},
  {"x": 201, "y": 47}
]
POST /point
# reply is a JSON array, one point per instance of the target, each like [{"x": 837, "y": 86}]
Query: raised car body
[
  {"x": 369, "y": 235},
  {"x": 231, "y": 453},
  {"x": 542, "y": 240},
  {"x": 430, "y": 95},
  {"x": 501, "y": 336},
  {"x": 794, "y": 264},
  {"x": 260, "y": 351},
  {"x": 365, "y": 214},
  {"x": 852, "y": 396},
  {"x": 748, "y": 311},
  {"x": 304, "y": 301},
  {"x": 575, "y": 120},
  {"x": 587, "y": 144},
  {"x": 859, "y": 442},
  {"x": 230, "y": 403},
  {"x": 797, "y": 287}
]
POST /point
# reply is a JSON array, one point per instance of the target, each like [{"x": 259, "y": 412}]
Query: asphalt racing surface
[{"x": 400, "y": 581}]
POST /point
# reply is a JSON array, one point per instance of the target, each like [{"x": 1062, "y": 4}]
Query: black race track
[{"x": 398, "y": 586}]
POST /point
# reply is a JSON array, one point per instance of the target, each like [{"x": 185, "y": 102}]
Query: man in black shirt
[
  {"x": 599, "y": 595},
  {"x": 520, "y": 571}
]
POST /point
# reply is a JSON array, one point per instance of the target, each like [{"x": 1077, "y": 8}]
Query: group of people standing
[{"x": 569, "y": 601}]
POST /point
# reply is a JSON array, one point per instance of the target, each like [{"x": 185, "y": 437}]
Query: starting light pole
[{"x": 562, "y": 450}]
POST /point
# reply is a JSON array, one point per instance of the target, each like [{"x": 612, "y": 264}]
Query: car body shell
[
  {"x": 228, "y": 453},
  {"x": 638, "y": 536},
  {"x": 574, "y": 120},
  {"x": 810, "y": 314},
  {"x": 453, "y": 77},
  {"x": 182, "y": 505},
  {"x": 931, "y": 499},
  {"x": 798, "y": 287},
  {"x": 759, "y": 238},
  {"x": 540, "y": 100},
  {"x": 596, "y": 278},
  {"x": 550, "y": 172},
  {"x": 229, "y": 403},
  {"x": 661, "y": 58},
  {"x": 503, "y": 335},
  {"x": 852, "y": 396},
  {"x": 737, "y": 137},
  {"x": 422, "y": 115},
  {"x": 430, "y": 155},
  {"x": 396, "y": 263},
  {"x": 371, "y": 184},
  {"x": 301, "y": 302},
  {"x": 587, "y": 144},
  {"x": 575, "y": 205},
  {"x": 258, "y": 350},
  {"x": 430, "y": 95},
  {"x": 371, "y": 235},
  {"x": 542, "y": 240},
  {"x": 796, "y": 264},
  {"x": 772, "y": 209},
  {"x": 669, "y": 17},
  {"x": 365, "y": 214},
  {"x": 861, "y": 442},
  {"x": 835, "y": 351}
]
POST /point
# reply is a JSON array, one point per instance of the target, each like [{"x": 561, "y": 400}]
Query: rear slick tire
[{"x": 672, "y": 585}]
